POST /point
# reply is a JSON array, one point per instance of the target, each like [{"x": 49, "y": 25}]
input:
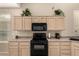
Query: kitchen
[{"x": 57, "y": 30}]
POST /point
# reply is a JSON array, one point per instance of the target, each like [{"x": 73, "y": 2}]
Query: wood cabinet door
[
  {"x": 17, "y": 23},
  {"x": 24, "y": 49},
  {"x": 59, "y": 23},
  {"x": 54, "y": 50},
  {"x": 43, "y": 19},
  {"x": 39, "y": 19},
  {"x": 26, "y": 23},
  {"x": 13, "y": 48},
  {"x": 13, "y": 51},
  {"x": 75, "y": 48},
  {"x": 76, "y": 51},
  {"x": 36, "y": 19},
  {"x": 65, "y": 51},
  {"x": 65, "y": 48},
  {"x": 51, "y": 23}
]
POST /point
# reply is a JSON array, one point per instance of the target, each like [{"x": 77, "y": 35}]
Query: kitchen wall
[
  {"x": 42, "y": 9},
  {"x": 46, "y": 10}
]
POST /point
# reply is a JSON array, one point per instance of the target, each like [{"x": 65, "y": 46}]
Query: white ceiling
[{"x": 10, "y": 5}]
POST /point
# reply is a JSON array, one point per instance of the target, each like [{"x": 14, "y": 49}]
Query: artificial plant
[
  {"x": 59, "y": 12},
  {"x": 26, "y": 12}
]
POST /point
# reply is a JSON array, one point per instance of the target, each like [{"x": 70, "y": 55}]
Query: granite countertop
[{"x": 63, "y": 38}]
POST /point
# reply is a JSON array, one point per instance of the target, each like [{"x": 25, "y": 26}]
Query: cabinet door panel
[
  {"x": 36, "y": 19},
  {"x": 24, "y": 48},
  {"x": 43, "y": 19},
  {"x": 26, "y": 23},
  {"x": 76, "y": 51},
  {"x": 53, "y": 50},
  {"x": 59, "y": 24},
  {"x": 54, "y": 43},
  {"x": 18, "y": 23},
  {"x": 24, "y": 52},
  {"x": 75, "y": 48},
  {"x": 13, "y": 48},
  {"x": 51, "y": 23},
  {"x": 13, "y": 51}
]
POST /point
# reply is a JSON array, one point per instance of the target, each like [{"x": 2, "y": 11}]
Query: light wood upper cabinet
[
  {"x": 44, "y": 19},
  {"x": 39, "y": 19},
  {"x": 36, "y": 19},
  {"x": 51, "y": 23},
  {"x": 59, "y": 23},
  {"x": 55, "y": 23},
  {"x": 17, "y": 23},
  {"x": 21, "y": 23},
  {"x": 26, "y": 23}
]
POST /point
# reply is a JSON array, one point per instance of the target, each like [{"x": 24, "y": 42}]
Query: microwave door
[{"x": 39, "y": 26}]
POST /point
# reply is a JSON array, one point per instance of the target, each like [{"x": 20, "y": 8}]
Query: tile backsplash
[
  {"x": 52, "y": 33},
  {"x": 30, "y": 33}
]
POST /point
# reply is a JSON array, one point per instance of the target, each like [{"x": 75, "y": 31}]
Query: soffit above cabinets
[{"x": 9, "y": 5}]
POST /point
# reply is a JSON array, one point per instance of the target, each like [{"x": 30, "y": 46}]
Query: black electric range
[{"x": 39, "y": 45}]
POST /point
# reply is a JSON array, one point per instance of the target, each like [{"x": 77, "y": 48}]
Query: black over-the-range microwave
[{"x": 39, "y": 26}]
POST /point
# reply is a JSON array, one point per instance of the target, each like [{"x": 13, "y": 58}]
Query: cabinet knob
[
  {"x": 16, "y": 37},
  {"x": 76, "y": 31}
]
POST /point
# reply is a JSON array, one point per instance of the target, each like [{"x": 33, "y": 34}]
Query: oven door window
[{"x": 37, "y": 47}]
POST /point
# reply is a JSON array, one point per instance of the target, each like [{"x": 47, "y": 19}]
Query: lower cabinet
[
  {"x": 13, "y": 51},
  {"x": 13, "y": 48},
  {"x": 65, "y": 48},
  {"x": 24, "y": 48},
  {"x": 17, "y": 48},
  {"x": 54, "y": 48},
  {"x": 54, "y": 51},
  {"x": 59, "y": 48},
  {"x": 75, "y": 48}
]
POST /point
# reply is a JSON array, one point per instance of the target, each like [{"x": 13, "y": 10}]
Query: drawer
[
  {"x": 65, "y": 43},
  {"x": 49, "y": 17},
  {"x": 24, "y": 43},
  {"x": 13, "y": 43},
  {"x": 54, "y": 43},
  {"x": 66, "y": 50},
  {"x": 65, "y": 47},
  {"x": 13, "y": 46},
  {"x": 65, "y": 54},
  {"x": 24, "y": 46},
  {"x": 54, "y": 47}
]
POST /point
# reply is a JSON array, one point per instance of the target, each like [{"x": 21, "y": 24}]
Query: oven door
[{"x": 39, "y": 50}]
